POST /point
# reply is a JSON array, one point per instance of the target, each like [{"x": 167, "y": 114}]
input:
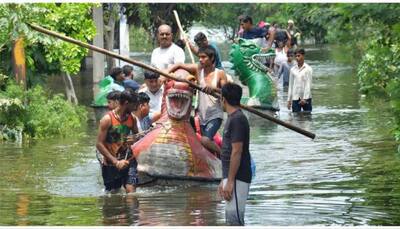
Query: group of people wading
[
  {"x": 133, "y": 108},
  {"x": 137, "y": 107},
  {"x": 296, "y": 78}
]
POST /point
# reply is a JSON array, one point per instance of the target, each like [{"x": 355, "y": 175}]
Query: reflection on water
[
  {"x": 194, "y": 205},
  {"x": 348, "y": 175}
]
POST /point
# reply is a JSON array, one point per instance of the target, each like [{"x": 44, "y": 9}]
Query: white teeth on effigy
[
  {"x": 178, "y": 95},
  {"x": 183, "y": 110}
]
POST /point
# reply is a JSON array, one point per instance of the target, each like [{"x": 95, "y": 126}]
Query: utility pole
[
  {"x": 123, "y": 36},
  {"x": 98, "y": 58}
]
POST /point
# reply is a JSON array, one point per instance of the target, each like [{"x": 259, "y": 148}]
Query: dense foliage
[
  {"x": 41, "y": 115},
  {"x": 152, "y": 15},
  {"x": 144, "y": 19},
  {"x": 35, "y": 113},
  {"x": 379, "y": 71},
  {"x": 45, "y": 54}
]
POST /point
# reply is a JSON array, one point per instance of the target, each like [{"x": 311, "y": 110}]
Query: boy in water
[
  {"x": 141, "y": 114},
  {"x": 112, "y": 99},
  {"x": 284, "y": 69},
  {"x": 119, "y": 167}
]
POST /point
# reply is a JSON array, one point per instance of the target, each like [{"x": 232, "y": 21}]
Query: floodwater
[{"x": 348, "y": 175}]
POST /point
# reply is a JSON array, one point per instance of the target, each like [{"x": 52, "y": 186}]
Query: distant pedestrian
[
  {"x": 154, "y": 89},
  {"x": 251, "y": 31},
  {"x": 300, "y": 80},
  {"x": 129, "y": 82},
  {"x": 235, "y": 157},
  {"x": 119, "y": 78},
  {"x": 282, "y": 43},
  {"x": 240, "y": 29},
  {"x": 141, "y": 114},
  {"x": 128, "y": 72},
  {"x": 202, "y": 42},
  {"x": 294, "y": 32},
  {"x": 284, "y": 69}
]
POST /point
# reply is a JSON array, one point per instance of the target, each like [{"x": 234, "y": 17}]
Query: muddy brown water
[{"x": 348, "y": 175}]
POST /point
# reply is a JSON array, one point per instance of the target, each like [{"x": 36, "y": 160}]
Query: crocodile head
[
  {"x": 178, "y": 100},
  {"x": 248, "y": 63},
  {"x": 243, "y": 51}
]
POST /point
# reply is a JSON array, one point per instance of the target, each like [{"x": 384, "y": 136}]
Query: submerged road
[{"x": 348, "y": 175}]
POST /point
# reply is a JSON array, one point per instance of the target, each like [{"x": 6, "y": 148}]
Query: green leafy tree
[
  {"x": 43, "y": 53},
  {"x": 152, "y": 15},
  {"x": 225, "y": 16}
]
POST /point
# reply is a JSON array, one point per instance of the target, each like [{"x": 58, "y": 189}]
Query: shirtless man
[{"x": 210, "y": 110}]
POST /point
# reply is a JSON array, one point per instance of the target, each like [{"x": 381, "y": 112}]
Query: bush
[
  {"x": 379, "y": 72},
  {"x": 140, "y": 40},
  {"x": 38, "y": 114},
  {"x": 11, "y": 124}
]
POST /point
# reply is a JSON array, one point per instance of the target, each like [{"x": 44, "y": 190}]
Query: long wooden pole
[
  {"x": 169, "y": 76},
  {"x": 178, "y": 22}
]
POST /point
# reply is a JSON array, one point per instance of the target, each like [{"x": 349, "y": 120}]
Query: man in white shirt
[
  {"x": 155, "y": 90},
  {"x": 168, "y": 53},
  {"x": 300, "y": 79}
]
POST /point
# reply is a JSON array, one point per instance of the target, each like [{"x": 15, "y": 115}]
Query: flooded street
[{"x": 348, "y": 175}]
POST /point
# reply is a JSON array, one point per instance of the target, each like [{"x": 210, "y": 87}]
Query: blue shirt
[
  {"x": 145, "y": 123},
  {"x": 131, "y": 84},
  {"x": 253, "y": 33},
  {"x": 284, "y": 71},
  {"x": 218, "y": 63}
]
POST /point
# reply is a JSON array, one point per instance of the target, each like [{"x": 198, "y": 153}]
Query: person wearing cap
[
  {"x": 201, "y": 41},
  {"x": 294, "y": 33},
  {"x": 168, "y": 53},
  {"x": 300, "y": 80},
  {"x": 155, "y": 90}
]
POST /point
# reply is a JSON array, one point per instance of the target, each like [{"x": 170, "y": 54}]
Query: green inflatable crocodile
[{"x": 252, "y": 73}]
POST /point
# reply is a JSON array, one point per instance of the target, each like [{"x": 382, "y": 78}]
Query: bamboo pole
[
  {"x": 169, "y": 76},
  {"x": 184, "y": 35}
]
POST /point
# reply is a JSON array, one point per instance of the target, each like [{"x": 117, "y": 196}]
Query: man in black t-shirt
[{"x": 235, "y": 156}]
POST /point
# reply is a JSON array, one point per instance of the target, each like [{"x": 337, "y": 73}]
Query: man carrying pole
[
  {"x": 170, "y": 76},
  {"x": 209, "y": 110}
]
